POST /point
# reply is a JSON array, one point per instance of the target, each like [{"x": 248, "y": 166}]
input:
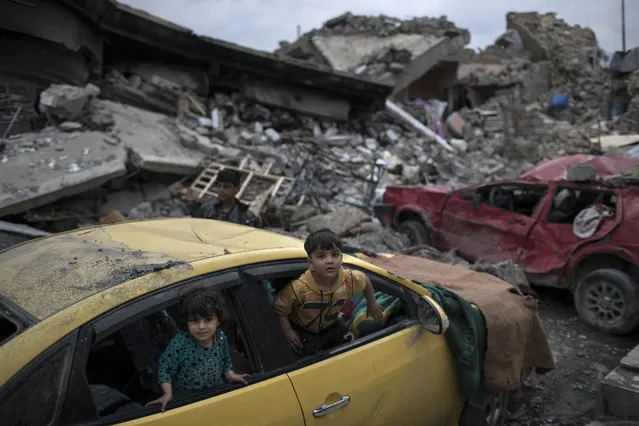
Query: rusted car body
[{"x": 530, "y": 221}]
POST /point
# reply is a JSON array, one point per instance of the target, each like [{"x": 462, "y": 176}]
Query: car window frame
[
  {"x": 130, "y": 312},
  {"x": 468, "y": 195},
  {"x": 17, "y": 316},
  {"x": 288, "y": 362},
  {"x": 562, "y": 185},
  {"x": 70, "y": 341}
]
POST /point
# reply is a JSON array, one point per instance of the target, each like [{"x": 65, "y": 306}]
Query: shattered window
[
  {"x": 514, "y": 197},
  {"x": 567, "y": 202}
]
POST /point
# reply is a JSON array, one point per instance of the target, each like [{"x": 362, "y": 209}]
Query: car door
[
  {"x": 552, "y": 241},
  {"x": 399, "y": 376},
  {"x": 480, "y": 229},
  {"x": 270, "y": 396},
  {"x": 33, "y": 396}
]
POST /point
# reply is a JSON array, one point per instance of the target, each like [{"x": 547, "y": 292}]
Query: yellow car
[{"x": 85, "y": 315}]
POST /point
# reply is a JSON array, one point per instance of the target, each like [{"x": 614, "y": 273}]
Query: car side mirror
[{"x": 431, "y": 316}]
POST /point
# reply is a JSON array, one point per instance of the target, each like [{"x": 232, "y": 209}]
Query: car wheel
[
  {"x": 607, "y": 300},
  {"x": 497, "y": 408},
  {"x": 416, "y": 232}
]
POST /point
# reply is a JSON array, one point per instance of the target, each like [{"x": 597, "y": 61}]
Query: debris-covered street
[
  {"x": 138, "y": 126},
  {"x": 567, "y": 396}
]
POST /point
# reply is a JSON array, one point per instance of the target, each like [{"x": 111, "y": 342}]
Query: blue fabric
[
  {"x": 189, "y": 367},
  {"x": 559, "y": 101}
]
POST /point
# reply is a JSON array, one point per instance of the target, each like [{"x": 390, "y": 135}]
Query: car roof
[
  {"x": 604, "y": 165},
  {"x": 46, "y": 275}
]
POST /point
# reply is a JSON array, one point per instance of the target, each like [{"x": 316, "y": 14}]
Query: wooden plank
[
  {"x": 268, "y": 166},
  {"x": 245, "y": 185}
]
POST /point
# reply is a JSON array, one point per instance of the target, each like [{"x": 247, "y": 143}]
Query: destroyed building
[{"x": 146, "y": 117}]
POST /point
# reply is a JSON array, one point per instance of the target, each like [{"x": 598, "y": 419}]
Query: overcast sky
[{"x": 261, "y": 24}]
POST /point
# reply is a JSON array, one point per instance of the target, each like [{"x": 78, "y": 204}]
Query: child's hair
[
  {"x": 229, "y": 176},
  {"x": 323, "y": 239},
  {"x": 202, "y": 303}
]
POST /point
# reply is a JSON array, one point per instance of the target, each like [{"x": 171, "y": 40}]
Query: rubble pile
[
  {"x": 628, "y": 123},
  {"x": 574, "y": 56},
  {"x": 514, "y": 71},
  {"x": 383, "y": 45}
]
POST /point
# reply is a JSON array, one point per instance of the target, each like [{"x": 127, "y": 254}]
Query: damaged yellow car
[{"x": 86, "y": 314}]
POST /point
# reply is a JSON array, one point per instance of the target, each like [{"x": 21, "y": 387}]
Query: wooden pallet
[{"x": 257, "y": 188}]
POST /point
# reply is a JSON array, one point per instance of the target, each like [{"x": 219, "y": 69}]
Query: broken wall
[{"x": 434, "y": 83}]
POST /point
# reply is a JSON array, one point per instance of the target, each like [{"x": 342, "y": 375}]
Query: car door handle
[{"x": 328, "y": 408}]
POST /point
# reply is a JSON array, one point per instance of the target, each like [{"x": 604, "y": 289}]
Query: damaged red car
[{"x": 580, "y": 234}]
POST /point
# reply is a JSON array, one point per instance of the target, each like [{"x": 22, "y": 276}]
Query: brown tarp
[{"x": 517, "y": 341}]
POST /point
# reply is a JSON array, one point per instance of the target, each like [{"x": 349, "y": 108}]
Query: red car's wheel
[
  {"x": 416, "y": 232},
  {"x": 607, "y": 299}
]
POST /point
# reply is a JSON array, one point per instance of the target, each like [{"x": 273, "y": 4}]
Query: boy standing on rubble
[
  {"x": 226, "y": 206},
  {"x": 309, "y": 307}
]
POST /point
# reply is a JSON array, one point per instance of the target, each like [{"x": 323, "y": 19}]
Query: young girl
[{"x": 199, "y": 358}]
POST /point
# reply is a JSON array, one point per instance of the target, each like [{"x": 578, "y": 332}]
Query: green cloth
[
  {"x": 467, "y": 339},
  {"x": 390, "y": 305}
]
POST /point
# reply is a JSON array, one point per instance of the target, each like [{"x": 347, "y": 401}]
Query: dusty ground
[{"x": 583, "y": 357}]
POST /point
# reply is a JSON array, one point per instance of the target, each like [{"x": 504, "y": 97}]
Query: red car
[{"x": 583, "y": 236}]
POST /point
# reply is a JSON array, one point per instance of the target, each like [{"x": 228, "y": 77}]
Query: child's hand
[
  {"x": 376, "y": 311},
  {"x": 232, "y": 376},
  {"x": 294, "y": 340},
  {"x": 164, "y": 399}
]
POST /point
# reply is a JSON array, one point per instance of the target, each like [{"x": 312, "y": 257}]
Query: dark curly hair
[
  {"x": 322, "y": 239},
  {"x": 202, "y": 303}
]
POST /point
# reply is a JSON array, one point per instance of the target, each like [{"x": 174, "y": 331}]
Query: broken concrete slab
[
  {"x": 67, "y": 102},
  {"x": 619, "y": 394},
  {"x": 61, "y": 166},
  {"x": 631, "y": 360},
  {"x": 440, "y": 50},
  {"x": 153, "y": 140},
  {"x": 582, "y": 172},
  {"x": 615, "y": 141},
  {"x": 298, "y": 99}
]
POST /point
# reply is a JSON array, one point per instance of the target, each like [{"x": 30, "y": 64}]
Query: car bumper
[{"x": 385, "y": 213}]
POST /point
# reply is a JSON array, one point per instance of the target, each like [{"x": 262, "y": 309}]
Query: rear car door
[
  {"x": 113, "y": 373},
  {"x": 399, "y": 376},
  {"x": 491, "y": 222}
]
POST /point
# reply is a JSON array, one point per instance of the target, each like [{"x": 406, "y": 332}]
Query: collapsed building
[{"x": 145, "y": 113}]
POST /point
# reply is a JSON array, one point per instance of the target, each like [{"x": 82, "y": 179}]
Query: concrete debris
[
  {"x": 507, "y": 271},
  {"x": 65, "y": 102},
  {"x": 341, "y": 221},
  {"x": 378, "y": 47},
  {"x": 377, "y": 26},
  {"x": 491, "y": 121}
]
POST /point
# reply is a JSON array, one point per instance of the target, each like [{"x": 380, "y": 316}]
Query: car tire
[
  {"x": 607, "y": 299},
  {"x": 417, "y": 233},
  {"x": 495, "y": 413}
]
